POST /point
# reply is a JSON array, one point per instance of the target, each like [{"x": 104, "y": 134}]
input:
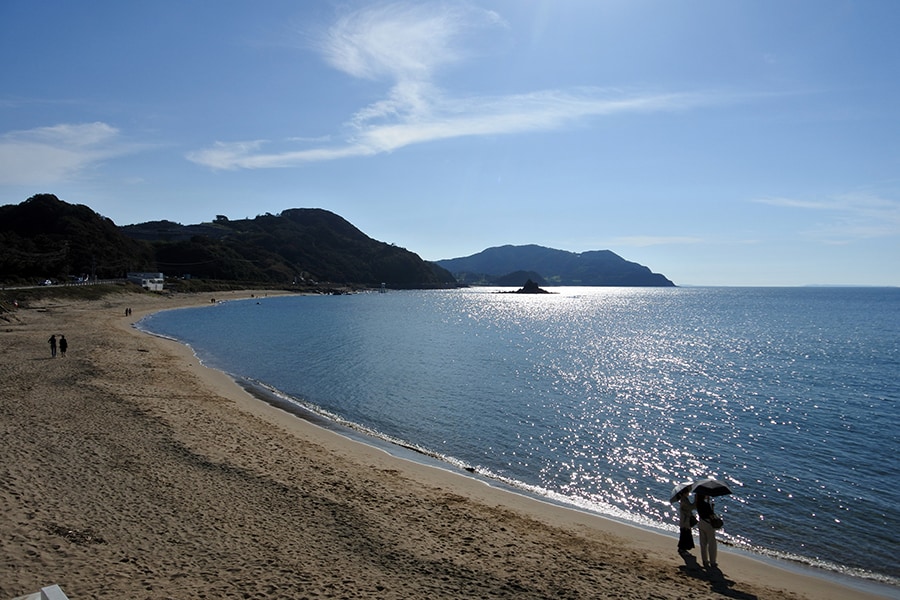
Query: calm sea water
[{"x": 605, "y": 397}]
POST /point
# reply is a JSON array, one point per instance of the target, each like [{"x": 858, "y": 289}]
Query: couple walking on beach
[
  {"x": 708, "y": 544},
  {"x": 62, "y": 343}
]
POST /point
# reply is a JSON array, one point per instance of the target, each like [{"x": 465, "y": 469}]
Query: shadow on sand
[{"x": 718, "y": 582}]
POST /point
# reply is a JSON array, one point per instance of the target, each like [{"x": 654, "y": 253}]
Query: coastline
[{"x": 134, "y": 471}]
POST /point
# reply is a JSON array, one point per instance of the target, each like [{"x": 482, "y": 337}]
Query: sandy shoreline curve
[{"x": 130, "y": 470}]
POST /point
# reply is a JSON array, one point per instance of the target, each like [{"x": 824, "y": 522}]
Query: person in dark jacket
[{"x": 708, "y": 544}]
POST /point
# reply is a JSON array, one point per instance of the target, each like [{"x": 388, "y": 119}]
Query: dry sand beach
[{"x": 131, "y": 471}]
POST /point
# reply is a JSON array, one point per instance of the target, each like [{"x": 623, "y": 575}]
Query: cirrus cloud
[
  {"x": 48, "y": 155},
  {"x": 404, "y": 41},
  {"x": 451, "y": 118},
  {"x": 405, "y": 45}
]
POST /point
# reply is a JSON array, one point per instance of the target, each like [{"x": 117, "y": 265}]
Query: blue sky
[{"x": 740, "y": 142}]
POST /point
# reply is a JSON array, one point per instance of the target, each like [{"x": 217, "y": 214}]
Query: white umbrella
[{"x": 679, "y": 487}]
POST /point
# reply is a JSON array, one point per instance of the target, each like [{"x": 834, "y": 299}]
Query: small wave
[{"x": 330, "y": 420}]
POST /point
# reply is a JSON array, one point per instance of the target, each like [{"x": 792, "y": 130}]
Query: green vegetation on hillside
[{"x": 46, "y": 238}]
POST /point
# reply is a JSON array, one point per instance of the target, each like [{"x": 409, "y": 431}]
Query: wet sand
[{"x": 131, "y": 471}]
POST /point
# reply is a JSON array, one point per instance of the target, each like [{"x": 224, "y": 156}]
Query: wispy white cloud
[
  {"x": 404, "y": 41},
  {"x": 47, "y": 155},
  {"x": 846, "y": 216},
  {"x": 405, "y": 45},
  {"x": 446, "y": 119},
  {"x": 244, "y": 155}
]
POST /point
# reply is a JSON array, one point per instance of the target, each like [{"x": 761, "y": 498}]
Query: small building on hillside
[{"x": 152, "y": 282}]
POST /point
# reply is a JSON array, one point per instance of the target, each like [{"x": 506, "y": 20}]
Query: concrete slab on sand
[{"x": 52, "y": 592}]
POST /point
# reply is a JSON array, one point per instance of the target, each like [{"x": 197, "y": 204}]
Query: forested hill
[
  {"x": 305, "y": 243},
  {"x": 554, "y": 267},
  {"x": 45, "y": 237}
]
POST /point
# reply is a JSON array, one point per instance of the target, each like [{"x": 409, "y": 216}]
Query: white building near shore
[{"x": 152, "y": 282}]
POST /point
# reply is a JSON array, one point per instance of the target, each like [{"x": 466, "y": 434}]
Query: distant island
[
  {"x": 496, "y": 266},
  {"x": 530, "y": 287}
]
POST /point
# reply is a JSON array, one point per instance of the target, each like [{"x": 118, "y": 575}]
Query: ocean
[{"x": 604, "y": 398}]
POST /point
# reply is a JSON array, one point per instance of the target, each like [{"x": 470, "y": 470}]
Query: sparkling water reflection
[{"x": 606, "y": 397}]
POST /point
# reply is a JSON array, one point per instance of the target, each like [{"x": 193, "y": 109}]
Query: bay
[{"x": 603, "y": 398}]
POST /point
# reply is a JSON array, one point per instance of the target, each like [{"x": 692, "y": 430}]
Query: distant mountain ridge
[
  {"x": 305, "y": 243},
  {"x": 555, "y": 267},
  {"x": 45, "y": 237}
]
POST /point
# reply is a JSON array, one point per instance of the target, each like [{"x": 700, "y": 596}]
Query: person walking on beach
[
  {"x": 52, "y": 341},
  {"x": 708, "y": 544},
  {"x": 686, "y": 514},
  {"x": 63, "y": 345}
]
